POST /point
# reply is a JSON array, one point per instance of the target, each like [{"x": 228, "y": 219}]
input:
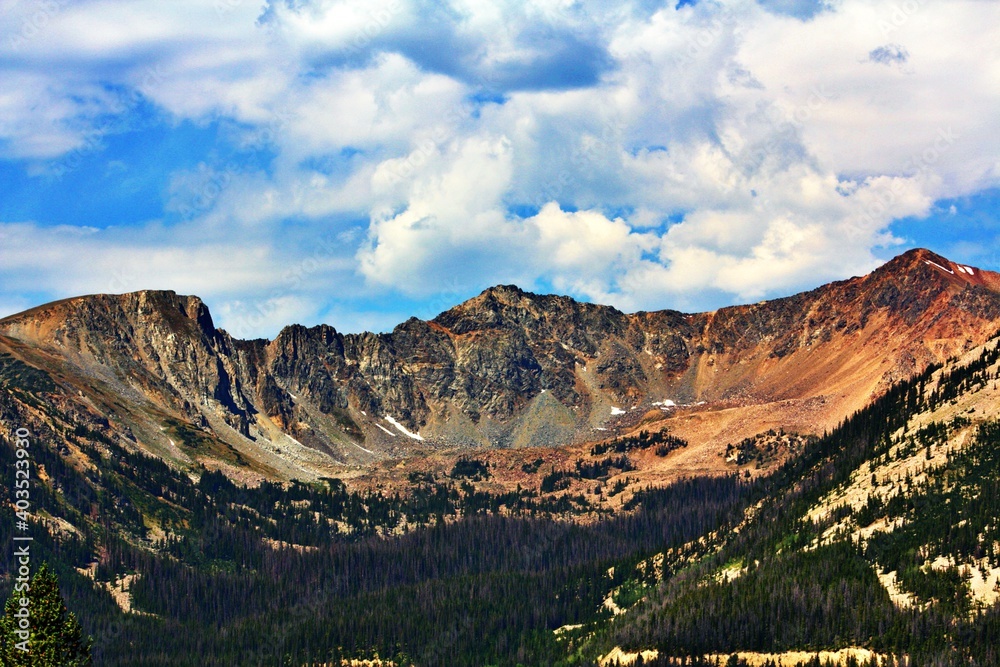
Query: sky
[{"x": 359, "y": 163}]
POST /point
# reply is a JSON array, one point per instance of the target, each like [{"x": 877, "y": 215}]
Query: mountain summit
[{"x": 506, "y": 368}]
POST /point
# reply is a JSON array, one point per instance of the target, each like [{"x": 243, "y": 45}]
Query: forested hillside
[
  {"x": 881, "y": 534},
  {"x": 213, "y": 573}
]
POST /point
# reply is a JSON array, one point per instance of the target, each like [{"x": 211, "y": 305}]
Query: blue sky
[{"x": 357, "y": 163}]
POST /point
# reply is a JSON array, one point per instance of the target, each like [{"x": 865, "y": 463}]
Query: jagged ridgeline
[
  {"x": 213, "y": 573},
  {"x": 505, "y": 369},
  {"x": 880, "y": 534}
]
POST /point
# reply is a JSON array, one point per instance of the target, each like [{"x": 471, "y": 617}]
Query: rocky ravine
[{"x": 506, "y": 368}]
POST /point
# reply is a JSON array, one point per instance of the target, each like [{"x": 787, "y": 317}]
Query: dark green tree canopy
[{"x": 55, "y": 640}]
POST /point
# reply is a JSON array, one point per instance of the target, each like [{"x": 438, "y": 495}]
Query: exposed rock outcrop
[{"x": 502, "y": 369}]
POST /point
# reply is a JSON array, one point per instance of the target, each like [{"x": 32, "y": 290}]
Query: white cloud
[
  {"x": 876, "y": 119},
  {"x": 390, "y": 105},
  {"x": 451, "y": 225},
  {"x": 251, "y": 283},
  {"x": 71, "y": 259},
  {"x": 541, "y": 143},
  {"x": 455, "y": 227},
  {"x": 261, "y": 317}
]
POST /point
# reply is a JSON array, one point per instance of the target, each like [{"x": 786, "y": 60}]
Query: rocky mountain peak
[
  {"x": 112, "y": 317},
  {"x": 920, "y": 264},
  {"x": 507, "y": 367},
  {"x": 494, "y": 308},
  {"x": 510, "y": 307}
]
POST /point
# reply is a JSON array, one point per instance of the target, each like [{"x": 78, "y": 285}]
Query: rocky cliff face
[{"x": 505, "y": 368}]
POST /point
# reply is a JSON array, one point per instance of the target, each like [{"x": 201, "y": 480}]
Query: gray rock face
[{"x": 476, "y": 373}]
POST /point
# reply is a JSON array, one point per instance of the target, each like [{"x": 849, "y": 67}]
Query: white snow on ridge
[
  {"x": 391, "y": 434},
  {"x": 403, "y": 429},
  {"x": 617, "y": 411},
  {"x": 927, "y": 261},
  {"x": 665, "y": 403}
]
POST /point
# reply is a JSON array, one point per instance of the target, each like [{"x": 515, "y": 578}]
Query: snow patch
[
  {"x": 391, "y": 434},
  {"x": 617, "y": 411},
  {"x": 665, "y": 403},
  {"x": 403, "y": 429},
  {"x": 927, "y": 261}
]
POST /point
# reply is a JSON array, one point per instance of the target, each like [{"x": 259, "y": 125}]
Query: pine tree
[{"x": 56, "y": 638}]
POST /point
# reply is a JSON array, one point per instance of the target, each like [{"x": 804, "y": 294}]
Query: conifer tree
[{"x": 56, "y": 638}]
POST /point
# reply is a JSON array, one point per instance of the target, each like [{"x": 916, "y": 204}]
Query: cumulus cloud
[
  {"x": 251, "y": 282},
  {"x": 451, "y": 225},
  {"x": 455, "y": 227},
  {"x": 647, "y": 156},
  {"x": 502, "y": 46},
  {"x": 87, "y": 260}
]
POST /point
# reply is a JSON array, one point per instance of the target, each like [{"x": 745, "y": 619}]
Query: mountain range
[
  {"x": 506, "y": 369},
  {"x": 523, "y": 480}
]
